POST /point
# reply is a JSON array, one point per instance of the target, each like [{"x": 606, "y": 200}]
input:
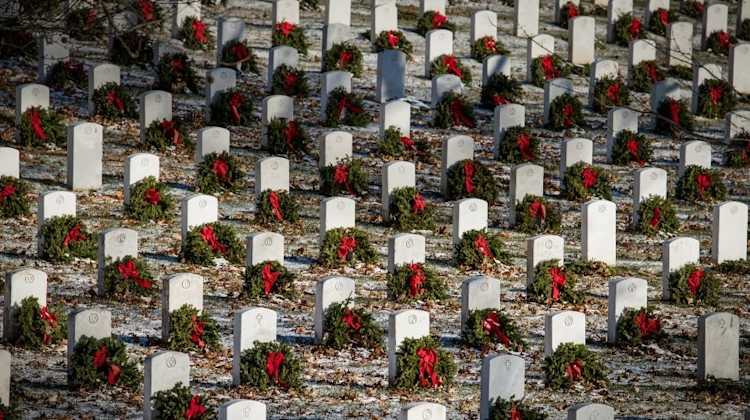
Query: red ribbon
[
  {"x": 177, "y": 65},
  {"x": 490, "y": 44},
  {"x": 663, "y": 16},
  {"x": 274, "y": 360},
  {"x": 209, "y": 237},
  {"x": 416, "y": 279},
  {"x": 548, "y": 67},
  {"x": 101, "y": 360},
  {"x": 494, "y": 328},
  {"x": 469, "y": 176},
  {"x": 695, "y": 280},
  {"x": 558, "y": 281},
  {"x": 199, "y": 31},
  {"x": 290, "y": 81},
  {"x": 90, "y": 18},
  {"x": 538, "y": 210},
  {"x": 589, "y": 178},
  {"x": 285, "y": 28},
  {"x": 35, "y": 119},
  {"x": 724, "y": 39},
  {"x": 635, "y": 28},
  {"x": 574, "y": 371},
  {"x": 674, "y": 111},
  {"x": 408, "y": 143},
  {"x": 438, "y": 20},
  {"x": 428, "y": 360},
  {"x": 147, "y": 10},
  {"x": 499, "y": 100},
  {"x": 269, "y": 278},
  {"x": 100, "y": 357},
  {"x": 220, "y": 168},
  {"x": 523, "y": 141},
  {"x": 235, "y": 102},
  {"x": 114, "y": 99},
  {"x": 291, "y": 132},
  {"x": 199, "y": 328},
  {"x": 714, "y": 94},
  {"x": 113, "y": 375},
  {"x": 347, "y": 246},
  {"x": 698, "y": 7},
  {"x": 646, "y": 325},
  {"x": 152, "y": 196},
  {"x": 239, "y": 51},
  {"x": 450, "y": 62},
  {"x": 567, "y": 112},
  {"x": 195, "y": 408},
  {"x": 344, "y": 59},
  {"x": 393, "y": 39},
  {"x": 655, "y": 218},
  {"x": 7, "y": 191},
  {"x": 572, "y": 10},
  {"x": 515, "y": 413},
  {"x": 341, "y": 176},
  {"x": 74, "y": 235},
  {"x": 418, "y": 204},
  {"x": 50, "y": 321},
  {"x": 344, "y": 104},
  {"x": 632, "y": 145},
  {"x": 613, "y": 93},
  {"x": 273, "y": 199},
  {"x": 703, "y": 182},
  {"x": 169, "y": 128},
  {"x": 351, "y": 319},
  {"x": 458, "y": 116},
  {"x": 129, "y": 271},
  {"x": 651, "y": 71},
  {"x": 483, "y": 246}
]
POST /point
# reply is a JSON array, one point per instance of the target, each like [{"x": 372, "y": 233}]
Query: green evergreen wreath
[
  {"x": 209, "y": 241},
  {"x": 14, "y": 200},
  {"x": 175, "y": 74},
  {"x": 266, "y": 278},
  {"x": 84, "y": 24},
  {"x": 513, "y": 410},
  {"x": 149, "y": 201},
  {"x": 736, "y": 156},
  {"x": 736, "y": 267},
  {"x": 486, "y": 328},
  {"x": 396, "y": 145},
  {"x": 610, "y": 92},
  {"x": 537, "y": 215},
  {"x": 273, "y": 207},
  {"x": 190, "y": 330},
  {"x": 673, "y": 117},
  {"x": 64, "y": 238},
  {"x": 692, "y": 8},
  {"x": 219, "y": 172},
  {"x": 454, "y": 110},
  {"x": 408, "y": 360},
  {"x": 565, "y": 112},
  {"x": 67, "y": 75},
  {"x": 645, "y": 75},
  {"x": 568, "y": 11},
  {"x": 571, "y": 363},
  {"x": 287, "y": 33},
  {"x": 40, "y": 126},
  {"x": 394, "y": 40},
  {"x": 715, "y": 98},
  {"x": 639, "y": 326},
  {"x": 701, "y": 184},
  {"x": 345, "y": 108},
  {"x": 289, "y": 81},
  {"x": 346, "y": 326},
  {"x": 416, "y": 281},
  {"x": 631, "y": 147},
  {"x": 9, "y": 412},
  {"x": 180, "y": 403},
  {"x": 130, "y": 49},
  {"x": 694, "y": 285},
  {"x": 410, "y": 211},
  {"x": 720, "y": 41},
  {"x": 449, "y": 64},
  {"x": 346, "y": 247},
  {"x": 128, "y": 276},
  {"x": 743, "y": 31},
  {"x": 627, "y": 28},
  {"x": 270, "y": 364},
  {"x": 487, "y": 46},
  {"x": 470, "y": 178},
  {"x": 347, "y": 176},
  {"x": 40, "y": 326},
  {"x": 500, "y": 89},
  {"x": 195, "y": 34},
  {"x": 583, "y": 181},
  {"x": 287, "y": 137},
  {"x": 237, "y": 54},
  {"x": 681, "y": 72},
  {"x": 101, "y": 362},
  {"x": 167, "y": 134},
  {"x": 478, "y": 250},
  {"x": 656, "y": 214},
  {"x": 433, "y": 20},
  {"x": 660, "y": 20},
  {"x": 232, "y": 107},
  {"x": 548, "y": 67},
  {"x": 343, "y": 56},
  {"x": 114, "y": 101},
  {"x": 553, "y": 283},
  {"x": 518, "y": 145}
]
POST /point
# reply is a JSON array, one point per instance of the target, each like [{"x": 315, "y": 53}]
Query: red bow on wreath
[
  {"x": 50, "y": 321},
  {"x": 147, "y": 10},
  {"x": 101, "y": 360},
  {"x": 199, "y": 328},
  {"x": 195, "y": 408},
  {"x": 344, "y": 104},
  {"x": 651, "y": 71},
  {"x": 428, "y": 360},
  {"x": 290, "y": 81},
  {"x": 635, "y": 28},
  {"x": 347, "y": 246},
  {"x": 483, "y": 246},
  {"x": 240, "y": 52},
  {"x": 438, "y": 20},
  {"x": 235, "y": 102},
  {"x": 393, "y": 39},
  {"x": 273, "y": 199},
  {"x": 558, "y": 282},
  {"x": 74, "y": 235},
  {"x": 632, "y": 146},
  {"x": 35, "y": 119},
  {"x": 344, "y": 59},
  {"x": 269, "y": 278},
  {"x": 703, "y": 182},
  {"x": 655, "y": 218},
  {"x": 351, "y": 319},
  {"x": 7, "y": 191},
  {"x": 416, "y": 279},
  {"x": 285, "y": 28},
  {"x": 574, "y": 371},
  {"x": 572, "y": 10},
  {"x": 674, "y": 111},
  {"x": 169, "y": 128},
  {"x": 274, "y": 360},
  {"x": 695, "y": 280},
  {"x": 515, "y": 413},
  {"x": 490, "y": 44},
  {"x": 114, "y": 99},
  {"x": 129, "y": 271},
  {"x": 458, "y": 116},
  {"x": 220, "y": 168},
  {"x": 567, "y": 112},
  {"x": 469, "y": 176},
  {"x": 408, "y": 143},
  {"x": 724, "y": 39},
  {"x": 663, "y": 16},
  {"x": 450, "y": 62},
  {"x": 199, "y": 31},
  {"x": 418, "y": 204},
  {"x": 613, "y": 93},
  {"x": 538, "y": 210},
  {"x": 499, "y": 100},
  {"x": 548, "y": 67},
  {"x": 646, "y": 325},
  {"x": 589, "y": 178},
  {"x": 209, "y": 236},
  {"x": 714, "y": 94},
  {"x": 177, "y": 65},
  {"x": 291, "y": 131},
  {"x": 152, "y": 196},
  {"x": 523, "y": 141},
  {"x": 341, "y": 176},
  {"x": 492, "y": 327}
]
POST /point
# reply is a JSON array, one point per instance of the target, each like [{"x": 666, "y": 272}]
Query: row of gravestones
[{"x": 502, "y": 375}]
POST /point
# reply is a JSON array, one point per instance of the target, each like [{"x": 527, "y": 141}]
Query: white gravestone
[
  {"x": 138, "y": 167},
  {"x": 468, "y": 214},
  {"x": 228, "y": 29},
  {"x": 10, "y": 162},
  {"x": 405, "y": 248},
  {"x": 701, "y": 73},
  {"x": 455, "y": 149},
  {"x": 525, "y": 179},
  {"x": 84, "y": 161},
  {"x": 676, "y": 253},
  {"x": 694, "y": 152},
  {"x": 277, "y": 56},
  {"x": 542, "y": 248},
  {"x": 619, "y": 119},
  {"x": 437, "y": 42},
  {"x": 432, "y": 6},
  {"x": 53, "y": 204},
  {"x": 271, "y": 173},
  {"x": 648, "y": 182},
  {"x": 338, "y": 12},
  {"x": 591, "y": 411},
  {"x": 328, "y": 291},
  {"x": 507, "y": 116},
  {"x": 599, "y": 70},
  {"x": 242, "y": 410},
  {"x": 563, "y": 327},
  {"x": 396, "y": 174},
  {"x": 114, "y": 244},
  {"x": 161, "y": 372},
  {"x": 553, "y": 89},
  {"x": 624, "y": 293},
  {"x": 736, "y": 123},
  {"x": 598, "y": 231},
  {"x": 406, "y": 323},
  {"x": 336, "y": 212},
  {"x": 335, "y": 146},
  {"x": 285, "y": 11},
  {"x": 495, "y": 64},
  {"x": 502, "y": 376},
  {"x": 20, "y": 284},
  {"x": 250, "y": 325},
  {"x": 715, "y": 17},
  {"x": 178, "y": 290},
  {"x": 99, "y": 76},
  {"x": 615, "y": 10},
  {"x": 218, "y": 80},
  {"x": 384, "y": 18},
  {"x": 477, "y": 293},
  {"x": 680, "y": 47},
  {"x": 582, "y": 33},
  {"x": 53, "y": 48},
  {"x": 94, "y": 323},
  {"x": 483, "y": 23},
  {"x": 391, "y": 75},
  {"x": 526, "y": 18},
  {"x": 739, "y": 61},
  {"x": 330, "y": 81},
  {"x": 155, "y": 105},
  {"x": 423, "y": 411},
  {"x": 651, "y": 7},
  {"x": 719, "y": 346},
  {"x": 30, "y": 95},
  {"x": 182, "y": 11},
  {"x": 573, "y": 151},
  {"x": 211, "y": 140},
  {"x": 729, "y": 232},
  {"x": 443, "y": 84},
  {"x": 264, "y": 246},
  {"x": 396, "y": 113},
  {"x": 197, "y": 210},
  {"x": 538, "y": 46},
  {"x": 275, "y": 106}
]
